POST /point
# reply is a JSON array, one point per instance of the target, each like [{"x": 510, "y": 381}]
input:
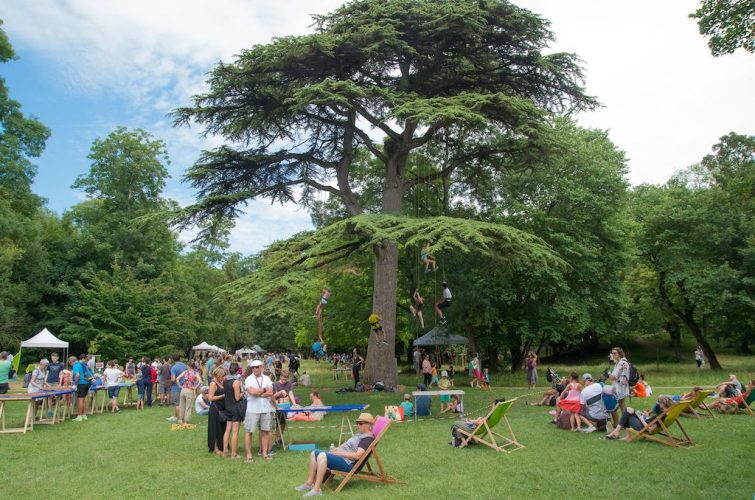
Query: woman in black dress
[
  {"x": 216, "y": 417},
  {"x": 233, "y": 388}
]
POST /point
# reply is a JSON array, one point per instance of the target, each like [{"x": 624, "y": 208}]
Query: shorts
[
  {"x": 445, "y": 304},
  {"x": 324, "y": 302},
  {"x": 4, "y": 388},
  {"x": 335, "y": 462},
  {"x": 445, "y": 398},
  {"x": 112, "y": 392},
  {"x": 264, "y": 421},
  {"x": 82, "y": 390},
  {"x": 163, "y": 389},
  {"x": 175, "y": 398}
]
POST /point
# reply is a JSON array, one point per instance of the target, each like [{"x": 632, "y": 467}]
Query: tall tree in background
[
  {"x": 728, "y": 24},
  {"x": 22, "y": 257},
  {"x": 469, "y": 77}
]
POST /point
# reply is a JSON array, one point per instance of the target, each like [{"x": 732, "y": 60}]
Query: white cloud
[{"x": 667, "y": 100}]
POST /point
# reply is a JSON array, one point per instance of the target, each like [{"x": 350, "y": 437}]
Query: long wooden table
[
  {"x": 127, "y": 396},
  {"x": 31, "y": 400},
  {"x": 343, "y": 409}
]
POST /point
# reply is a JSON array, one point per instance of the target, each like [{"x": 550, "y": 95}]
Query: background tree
[
  {"x": 728, "y": 24},
  {"x": 469, "y": 75}
]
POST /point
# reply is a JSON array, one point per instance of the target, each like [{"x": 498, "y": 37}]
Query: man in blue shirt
[
  {"x": 175, "y": 390},
  {"x": 82, "y": 378}
]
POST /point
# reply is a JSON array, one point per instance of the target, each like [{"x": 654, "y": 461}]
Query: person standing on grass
[
  {"x": 53, "y": 371},
  {"x": 356, "y": 364},
  {"x": 341, "y": 459},
  {"x": 476, "y": 373},
  {"x": 216, "y": 423},
  {"x": 417, "y": 359},
  {"x": 427, "y": 371},
  {"x": 175, "y": 390},
  {"x": 620, "y": 376},
  {"x": 234, "y": 410},
  {"x": 259, "y": 411},
  {"x": 531, "y": 370},
  {"x": 113, "y": 377},
  {"x": 163, "y": 383},
  {"x": 700, "y": 357},
  {"x": 5, "y": 368},
  {"x": 130, "y": 369},
  {"x": 82, "y": 377},
  {"x": 189, "y": 382}
]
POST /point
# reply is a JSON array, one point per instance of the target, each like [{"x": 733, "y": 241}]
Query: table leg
[
  {"x": 415, "y": 408},
  {"x": 2, "y": 414},
  {"x": 29, "y": 422}
]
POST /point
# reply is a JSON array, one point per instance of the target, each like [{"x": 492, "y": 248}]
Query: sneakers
[
  {"x": 80, "y": 418},
  {"x": 172, "y": 419},
  {"x": 312, "y": 493},
  {"x": 589, "y": 429},
  {"x": 303, "y": 487}
]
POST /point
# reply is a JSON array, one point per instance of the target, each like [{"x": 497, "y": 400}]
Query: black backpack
[{"x": 634, "y": 375}]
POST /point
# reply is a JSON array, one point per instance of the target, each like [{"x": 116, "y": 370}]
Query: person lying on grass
[
  {"x": 550, "y": 395},
  {"x": 638, "y": 420},
  {"x": 306, "y": 416},
  {"x": 341, "y": 459}
]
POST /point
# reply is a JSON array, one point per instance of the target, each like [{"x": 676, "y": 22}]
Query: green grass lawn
[{"x": 135, "y": 454}]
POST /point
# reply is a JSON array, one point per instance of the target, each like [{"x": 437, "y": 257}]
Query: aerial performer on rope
[
  {"x": 317, "y": 349},
  {"x": 427, "y": 259},
  {"x": 377, "y": 328},
  {"x": 444, "y": 303},
  {"x": 318, "y": 311},
  {"x": 416, "y": 308}
]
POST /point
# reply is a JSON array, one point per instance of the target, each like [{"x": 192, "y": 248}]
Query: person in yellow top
[
  {"x": 377, "y": 328},
  {"x": 444, "y": 384}
]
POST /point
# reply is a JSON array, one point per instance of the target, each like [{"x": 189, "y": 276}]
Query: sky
[{"x": 85, "y": 67}]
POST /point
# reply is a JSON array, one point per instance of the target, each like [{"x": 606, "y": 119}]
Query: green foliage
[{"x": 728, "y": 24}]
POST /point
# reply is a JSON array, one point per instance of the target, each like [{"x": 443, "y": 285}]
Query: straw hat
[{"x": 366, "y": 417}]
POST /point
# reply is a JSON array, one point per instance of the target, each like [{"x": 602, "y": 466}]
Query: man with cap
[
  {"x": 340, "y": 459},
  {"x": 259, "y": 410},
  {"x": 593, "y": 409}
]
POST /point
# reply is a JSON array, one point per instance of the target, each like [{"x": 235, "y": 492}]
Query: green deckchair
[
  {"x": 484, "y": 434},
  {"x": 659, "y": 428},
  {"x": 698, "y": 403}
]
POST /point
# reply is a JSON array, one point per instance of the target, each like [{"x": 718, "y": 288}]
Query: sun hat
[
  {"x": 444, "y": 373},
  {"x": 255, "y": 363},
  {"x": 586, "y": 376},
  {"x": 365, "y": 417}
]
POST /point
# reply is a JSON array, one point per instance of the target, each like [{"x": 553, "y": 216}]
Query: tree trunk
[
  {"x": 675, "y": 334},
  {"x": 700, "y": 337},
  {"x": 492, "y": 354},
  {"x": 380, "y": 365}
]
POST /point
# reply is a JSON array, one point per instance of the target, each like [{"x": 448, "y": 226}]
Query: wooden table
[
  {"x": 127, "y": 396},
  {"x": 345, "y": 410},
  {"x": 31, "y": 400},
  {"x": 450, "y": 392}
]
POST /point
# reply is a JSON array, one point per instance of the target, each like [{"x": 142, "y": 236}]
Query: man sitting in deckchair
[{"x": 340, "y": 459}]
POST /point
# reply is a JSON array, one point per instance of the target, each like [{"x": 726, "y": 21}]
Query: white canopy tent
[
  {"x": 46, "y": 340},
  {"x": 204, "y": 346}
]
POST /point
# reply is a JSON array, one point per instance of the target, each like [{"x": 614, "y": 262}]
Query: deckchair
[
  {"x": 376, "y": 476},
  {"x": 698, "y": 403},
  {"x": 484, "y": 434},
  {"x": 743, "y": 402},
  {"x": 659, "y": 428}
]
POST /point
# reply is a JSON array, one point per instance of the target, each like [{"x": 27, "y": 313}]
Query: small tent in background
[
  {"x": 440, "y": 336},
  {"x": 43, "y": 340}
]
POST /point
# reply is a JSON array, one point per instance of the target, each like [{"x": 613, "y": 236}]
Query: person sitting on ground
[
  {"x": 638, "y": 420},
  {"x": 453, "y": 405},
  {"x": 305, "y": 379},
  {"x": 202, "y": 403},
  {"x": 408, "y": 406},
  {"x": 550, "y": 396},
  {"x": 341, "y": 459},
  {"x": 730, "y": 388},
  {"x": 306, "y": 416},
  {"x": 570, "y": 401},
  {"x": 640, "y": 389},
  {"x": 593, "y": 411}
]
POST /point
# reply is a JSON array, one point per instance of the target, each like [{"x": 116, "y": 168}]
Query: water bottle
[{"x": 332, "y": 447}]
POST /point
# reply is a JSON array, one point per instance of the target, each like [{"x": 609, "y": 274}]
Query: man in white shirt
[
  {"x": 259, "y": 410},
  {"x": 444, "y": 303},
  {"x": 591, "y": 399},
  {"x": 113, "y": 377}
]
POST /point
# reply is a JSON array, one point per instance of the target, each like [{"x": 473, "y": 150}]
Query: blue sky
[{"x": 87, "y": 66}]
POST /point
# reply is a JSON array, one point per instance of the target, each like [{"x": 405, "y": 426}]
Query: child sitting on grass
[{"x": 408, "y": 406}]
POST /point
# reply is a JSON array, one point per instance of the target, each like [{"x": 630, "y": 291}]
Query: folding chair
[
  {"x": 484, "y": 434},
  {"x": 743, "y": 402},
  {"x": 376, "y": 476},
  {"x": 659, "y": 428},
  {"x": 698, "y": 403}
]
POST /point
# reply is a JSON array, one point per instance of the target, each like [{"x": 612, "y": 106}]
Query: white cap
[{"x": 256, "y": 362}]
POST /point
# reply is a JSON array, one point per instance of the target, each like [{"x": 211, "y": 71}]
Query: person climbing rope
[
  {"x": 427, "y": 259},
  {"x": 318, "y": 311},
  {"x": 416, "y": 308},
  {"x": 444, "y": 303},
  {"x": 377, "y": 328}
]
